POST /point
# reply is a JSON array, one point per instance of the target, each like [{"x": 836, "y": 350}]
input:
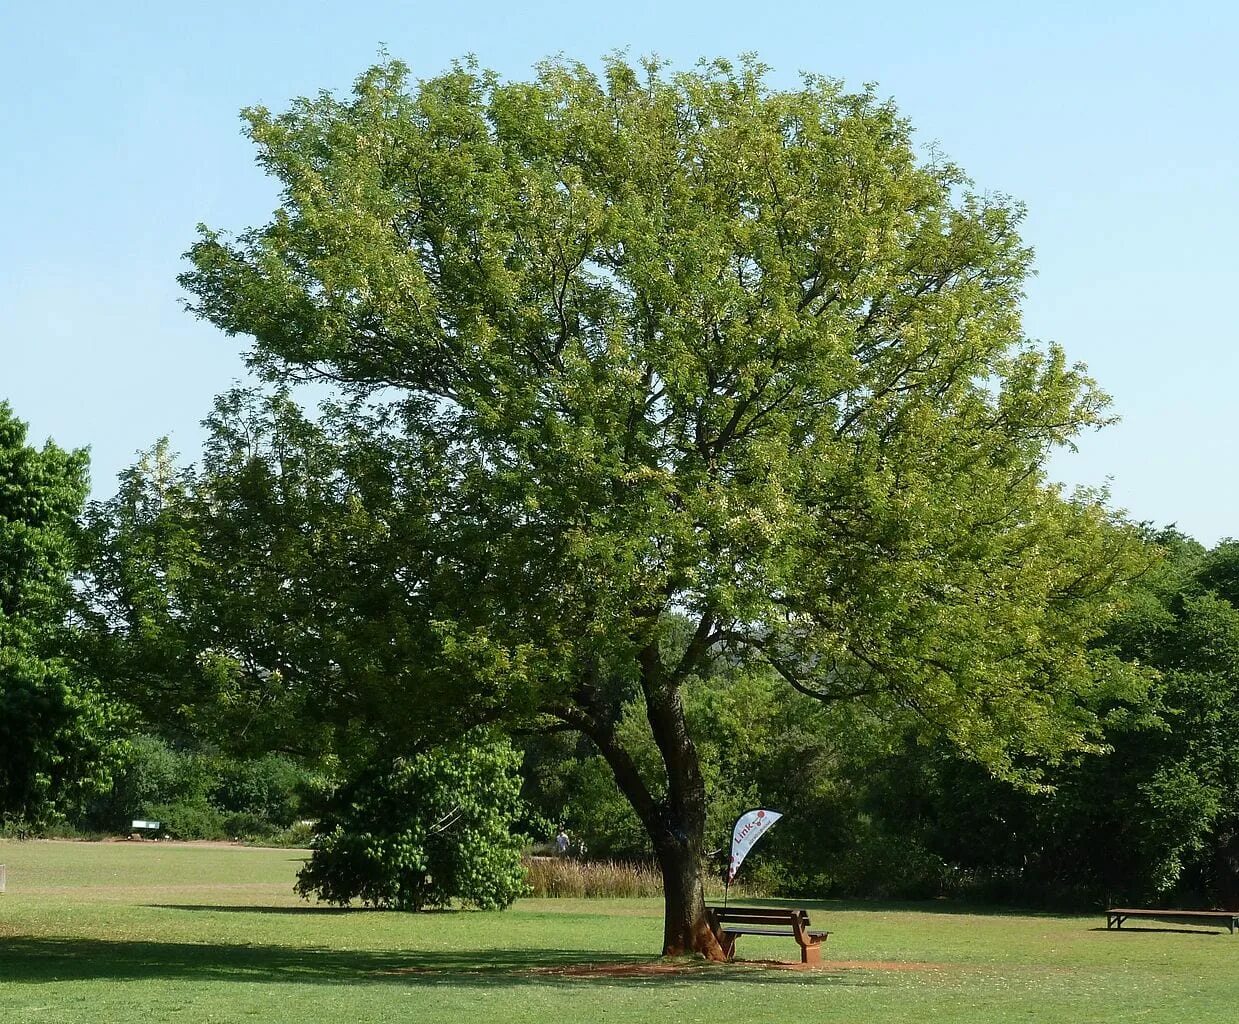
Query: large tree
[
  {"x": 54, "y": 730},
  {"x": 615, "y": 351}
]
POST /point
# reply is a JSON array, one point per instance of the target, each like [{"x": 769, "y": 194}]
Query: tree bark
[
  {"x": 679, "y": 838},
  {"x": 686, "y": 928}
]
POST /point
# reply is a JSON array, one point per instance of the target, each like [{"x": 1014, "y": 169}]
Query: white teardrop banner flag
[{"x": 749, "y": 827}]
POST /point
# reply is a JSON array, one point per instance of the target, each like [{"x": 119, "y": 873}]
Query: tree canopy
[
  {"x": 52, "y": 727},
  {"x": 617, "y": 352}
]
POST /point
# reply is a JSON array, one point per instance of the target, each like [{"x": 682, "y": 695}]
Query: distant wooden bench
[
  {"x": 1117, "y": 915},
  {"x": 140, "y": 828},
  {"x": 730, "y": 923}
]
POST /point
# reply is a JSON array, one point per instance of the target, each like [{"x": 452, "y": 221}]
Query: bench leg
[
  {"x": 728, "y": 942},
  {"x": 811, "y": 954}
]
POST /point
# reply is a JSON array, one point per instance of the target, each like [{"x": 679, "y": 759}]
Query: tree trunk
[
  {"x": 685, "y": 927},
  {"x": 675, "y": 821},
  {"x": 678, "y": 837}
]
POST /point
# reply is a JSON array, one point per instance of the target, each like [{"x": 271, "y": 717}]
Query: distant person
[{"x": 561, "y": 843}]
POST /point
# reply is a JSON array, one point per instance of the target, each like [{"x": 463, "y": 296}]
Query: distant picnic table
[{"x": 1115, "y": 916}]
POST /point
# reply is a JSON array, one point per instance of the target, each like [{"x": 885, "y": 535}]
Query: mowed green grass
[{"x": 149, "y": 932}]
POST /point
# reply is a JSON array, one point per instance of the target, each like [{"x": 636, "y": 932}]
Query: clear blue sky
[{"x": 1114, "y": 122}]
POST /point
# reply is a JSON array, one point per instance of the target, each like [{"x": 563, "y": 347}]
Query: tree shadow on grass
[{"x": 42, "y": 960}]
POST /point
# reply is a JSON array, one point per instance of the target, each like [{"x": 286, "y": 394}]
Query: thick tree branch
[{"x": 627, "y": 776}]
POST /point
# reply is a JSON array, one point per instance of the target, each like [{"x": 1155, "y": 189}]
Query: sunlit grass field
[{"x": 150, "y": 932}]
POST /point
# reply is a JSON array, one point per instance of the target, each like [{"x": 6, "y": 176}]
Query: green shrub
[
  {"x": 876, "y": 863},
  {"x": 247, "y": 825},
  {"x": 186, "y": 820},
  {"x": 204, "y": 796},
  {"x": 267, "y": 789},
  {"x": 298, "y": 835},
  {"x": 423, "y": 832},
  {"x": 19, "y": 829},
  {"x": 152, "y": 775}
]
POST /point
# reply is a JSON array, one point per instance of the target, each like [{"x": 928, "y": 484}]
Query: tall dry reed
[
  {"x": 562, "y": 876},
  {"x": 604, "y": 879}
]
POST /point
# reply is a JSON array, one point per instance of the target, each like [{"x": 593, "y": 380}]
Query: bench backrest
[
  {"x": 788, "y": 917},
  {"x": 794, "y": 919}
]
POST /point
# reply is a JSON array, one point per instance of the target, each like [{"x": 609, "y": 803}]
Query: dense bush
[
  {"x": 196, "y": 795},
  {"x": 265, "y": 792},
  {"x": 426, "y": 831},
  {"x": 188, "y": 820}
]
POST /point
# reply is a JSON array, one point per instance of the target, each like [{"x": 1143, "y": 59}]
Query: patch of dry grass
[
  {"x": 565, "y": 877},
  {"x": 559, "y": 877}
]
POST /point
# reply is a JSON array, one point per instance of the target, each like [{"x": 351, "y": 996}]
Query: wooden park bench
[
  {"x": 730, "y": 922},
  {"x": 1117, "y": 915}
]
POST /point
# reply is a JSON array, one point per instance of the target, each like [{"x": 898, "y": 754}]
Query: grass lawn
[{"x": 150, "y": 932}]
